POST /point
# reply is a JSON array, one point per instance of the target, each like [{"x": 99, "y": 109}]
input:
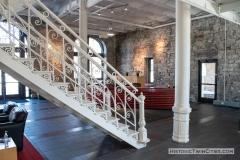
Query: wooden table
[{"x": 9, "y": 153}]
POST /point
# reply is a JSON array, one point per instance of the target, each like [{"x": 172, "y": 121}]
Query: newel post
[
  {"x": 142, "y": 130},
  {"x": 108, "y": 102}
]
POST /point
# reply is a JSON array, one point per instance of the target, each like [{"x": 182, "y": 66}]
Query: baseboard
[{"x": 226, "y": 103}]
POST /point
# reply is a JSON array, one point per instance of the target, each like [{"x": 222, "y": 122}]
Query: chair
[
  {"x": 14, "y": 124},
  {"x": 7, "y": 108}
]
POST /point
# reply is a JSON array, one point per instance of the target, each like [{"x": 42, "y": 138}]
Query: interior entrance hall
[{"x": 118, "y": 71}]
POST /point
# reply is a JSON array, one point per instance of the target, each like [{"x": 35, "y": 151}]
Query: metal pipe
[
  {"x": 114, "y": 20},
  {"x": 225, "y": 56},
  {"x": 144, "y": 26},
  {"x": 103, "y": 8}
]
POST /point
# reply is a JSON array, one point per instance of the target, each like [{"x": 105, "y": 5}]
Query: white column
[
  {"x": 83, "y": 28},
  {"x": 181, "y": 106}
]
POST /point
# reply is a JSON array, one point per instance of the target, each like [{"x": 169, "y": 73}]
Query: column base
[
  {"x": 181, "y": 124},
  {"x": 180, "y": 139}
]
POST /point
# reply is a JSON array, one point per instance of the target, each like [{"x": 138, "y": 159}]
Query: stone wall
[
  {"x": 133, "y": 48},
  {"x": 110, "y": 49},
  {"x": 207, "y": 42}
]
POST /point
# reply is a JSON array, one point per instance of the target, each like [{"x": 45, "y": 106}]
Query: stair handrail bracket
[{"x": 47, "y": 49}]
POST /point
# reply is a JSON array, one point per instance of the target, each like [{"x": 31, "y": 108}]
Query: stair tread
[
  {"x": 73, "y": 93},
  {"x": 7, "y": 44},
  {"x": 130, "y": 132},
  {"x": 98, "y": 110},
  {"x": 112, "y": 119},
  {"x": 121, "y": 125},
  {"x": 87, "y": 102},
  {"x": 42, "y": 71},
  {"x": 29, "y": 59},
  {"x": 59, "y": 83}
]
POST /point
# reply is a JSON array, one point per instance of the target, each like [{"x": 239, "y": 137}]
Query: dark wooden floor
[{"x": 58, "y": 135}]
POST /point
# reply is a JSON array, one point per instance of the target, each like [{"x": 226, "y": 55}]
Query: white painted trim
[
  {"x": 212, "y": 7},
  {"x": 229, "y": 6}
]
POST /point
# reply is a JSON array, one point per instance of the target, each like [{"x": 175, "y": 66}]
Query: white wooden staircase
[{"x": 40, "y": 72}]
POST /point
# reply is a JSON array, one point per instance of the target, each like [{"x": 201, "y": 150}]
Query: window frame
[
  {"x": 150, "y": 69},
  {"x": 102, "y": 54},
  {"x": 21, "y": 88}
]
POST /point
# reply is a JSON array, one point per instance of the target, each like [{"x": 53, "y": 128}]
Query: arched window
[{"x": 97, "y": 45}]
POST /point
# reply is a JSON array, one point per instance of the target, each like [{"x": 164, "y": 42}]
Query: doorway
[
  {"x": 10, "y": 87},
  {"x": 207, "y": 89}
]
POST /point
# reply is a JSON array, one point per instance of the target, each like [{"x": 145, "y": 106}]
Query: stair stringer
[{"x": 24, "y": 75}]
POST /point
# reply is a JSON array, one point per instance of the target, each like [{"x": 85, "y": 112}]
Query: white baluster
[
  {"x": 142, "y": 130},
  {"x": 29, "y": 33},
  {"x": 63, "y": 61},
  {"x": 108, "y": 101},
  {"x": 9, "y": 25},
  {"x": 47, "y": 47}
]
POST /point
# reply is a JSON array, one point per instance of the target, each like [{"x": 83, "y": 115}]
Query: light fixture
[
  {"x": 99, "y": 13},
  {"x": 126, "y": 8},
  {"x": 110, "y": 31},
  {"x": 112, "y": 11}
]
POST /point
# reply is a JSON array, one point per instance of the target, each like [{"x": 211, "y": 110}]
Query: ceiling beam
[
  {"x": 114, "y": 20},
  {"x": 141, "y": 9},
  {"x": 144, "y": 26},
  {"x": 213, "y": 8},
  {"x": 229, "y": 6},
  {"x": 102, "y": 8},
  {"x": 66, "y": 7},
  {"x": 91, "y": 3},
  {"x": 162, "y": 4}
]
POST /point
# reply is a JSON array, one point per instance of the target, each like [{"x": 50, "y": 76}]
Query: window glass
[
  {"x": 78, "y": 43},
  {"x": 93, "y": 69},
  {"x": 95, "y": 45},
  {"x": 27, "y": 94},
  {"x": 11, "y": 84},
  {"x": 151, "y": 72},
  {"x": 8, "y": 78},
  {"x": 0, "y": 82},
  {"x": 75, "y": 58},
  {"x": 5, "y": 38},
  {"x": 12, "y": 88}
]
